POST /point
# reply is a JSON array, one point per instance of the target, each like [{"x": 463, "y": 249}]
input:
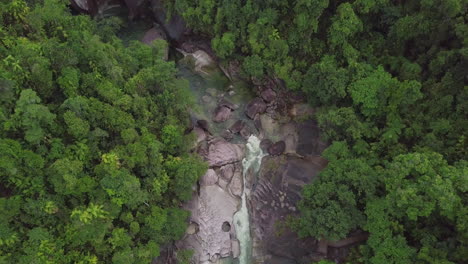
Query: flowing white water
[{"x": 251, "y": 163}]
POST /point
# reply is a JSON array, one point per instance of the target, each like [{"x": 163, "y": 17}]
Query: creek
[
  {"x": 233, "y": 222},
  {"x": 251, "y": 164}
]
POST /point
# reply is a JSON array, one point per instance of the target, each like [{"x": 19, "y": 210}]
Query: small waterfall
[{"x": 252, "y": 163}]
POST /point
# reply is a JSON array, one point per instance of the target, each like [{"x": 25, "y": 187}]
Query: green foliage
[
  {"x": 324, "y": 82},
  {"x": 332, "y": 203},
  {"x": 184, "y": 256},
  {"x": 224, "y": 46},
  {"x": 93, "y": 158},
  {"x": 422, "y": 203}
]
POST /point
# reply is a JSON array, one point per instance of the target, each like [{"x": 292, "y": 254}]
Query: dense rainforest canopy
[
  {"x": 93, "y": 159},
  {"x": 94, "y": 162},
  {"x": 389, "y": 78}
]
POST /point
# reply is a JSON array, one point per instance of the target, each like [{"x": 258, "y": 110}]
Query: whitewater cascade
[{"x": 251, "y": 163}]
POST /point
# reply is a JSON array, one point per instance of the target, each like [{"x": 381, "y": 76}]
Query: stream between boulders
[{"x": 262, "y": 146}]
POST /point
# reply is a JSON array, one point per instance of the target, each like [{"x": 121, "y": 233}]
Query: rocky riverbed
[
  {"x": 227, "y": 116},
  {"x": 229, "y": 111}
]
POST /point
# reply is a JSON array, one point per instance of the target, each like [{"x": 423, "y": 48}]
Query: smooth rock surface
[
  {"x": 200, "y": 134},
  {"x": 221, "y": 114},
  {"x": 245, "y": 132},
  {"x": 209, "y": 178},
  {"x": 228, "y": 104},
  {"x": 237, "y": 126},
  {"x": 175, "y": 27},
  {"x": 274, "y": 197},
  {"x": 235, "y": 248},
  {"x": 81, "y": 5},
  {"x": 265, "y": 144},
  {"x": 210, "y": 210},
  {"x": 236, "y": 186},
  {"x": 203, "y": 124},
  {"x": 227, "y": 135},
  {"x": 270, "y": 126},
  {"x": 268, "y": 95},
  {"x": 216, "y": 207},
  {"x": 221, "y": 152},
  {"x": 204, "y": 64},
  {"x": 227, "y": 172},
  {"x": 254, "y": 107},
  {"x": 277, "y": 148}
]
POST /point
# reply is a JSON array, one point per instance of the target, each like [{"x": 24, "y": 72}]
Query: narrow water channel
[{"x": 251, "y": 164}]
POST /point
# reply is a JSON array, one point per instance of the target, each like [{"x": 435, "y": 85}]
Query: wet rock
[
  {"x": 210, "y": 178},
  {"x": 236, "y": 187},
  {"x": 221, "y": 152},
  {"x": 192, "y": 229},
  {"x": 221, "y": 114},
  {"x": 291, "y": 144},
  {"x": 265, "y": 144},
  {"x": 258, "y": 124},
  {"x": 235, "y": 248},
  {"x": 237, "y": 126},
  {"x": 254, "y": 107},
  {"x": 226, "y": 134},
  {"x": 203, "y": 124},
  {"x": 223, "y": 184},
  {"x": 281, "y": 179},
  {"x": 270, "y": 126},
  {"x": 203, "y": 62},
  {"x": 288, "y": 133},
  {"x": 228, "y": 104},
  {"x": 175, "y": 27},
  {"x": 202, "y": 149},
  {"x": 227, "y": 172},
  {"x": 211, "y": 210},
  {"x": 246, "y": 132},
  {"x": 215, "y": 258},
  {"x": 268, "y": 95},
  {"x": 83, "y": 5},
  {"x": 200, "y": 134},
  {"x": 277, "y": 148}
]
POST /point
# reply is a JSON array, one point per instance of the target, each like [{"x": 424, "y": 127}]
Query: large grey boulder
[
  {"x": 237, "y": 126},
  {"x": 273, "y": 198},
  {"x": 210, "y": 178},
  {"x": 211, "y": 212},
  {"x": 277, "y": 148},
  {"x": 236, "y": 187},
  {"x": 175, "y": 27},
  {"x": 82, "y": 5},
  {"x": 221, "y": 114},
  {"x": 227, "y": 172},
  {"x": 204, "y": 63},
  {"x": 200, "y": 134},
  {"x": 254, "y": 107},
  {"x": 228, "y": 104},
  {"x": 221, "y": 152},
  {"x": 268, "y": 95}
]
